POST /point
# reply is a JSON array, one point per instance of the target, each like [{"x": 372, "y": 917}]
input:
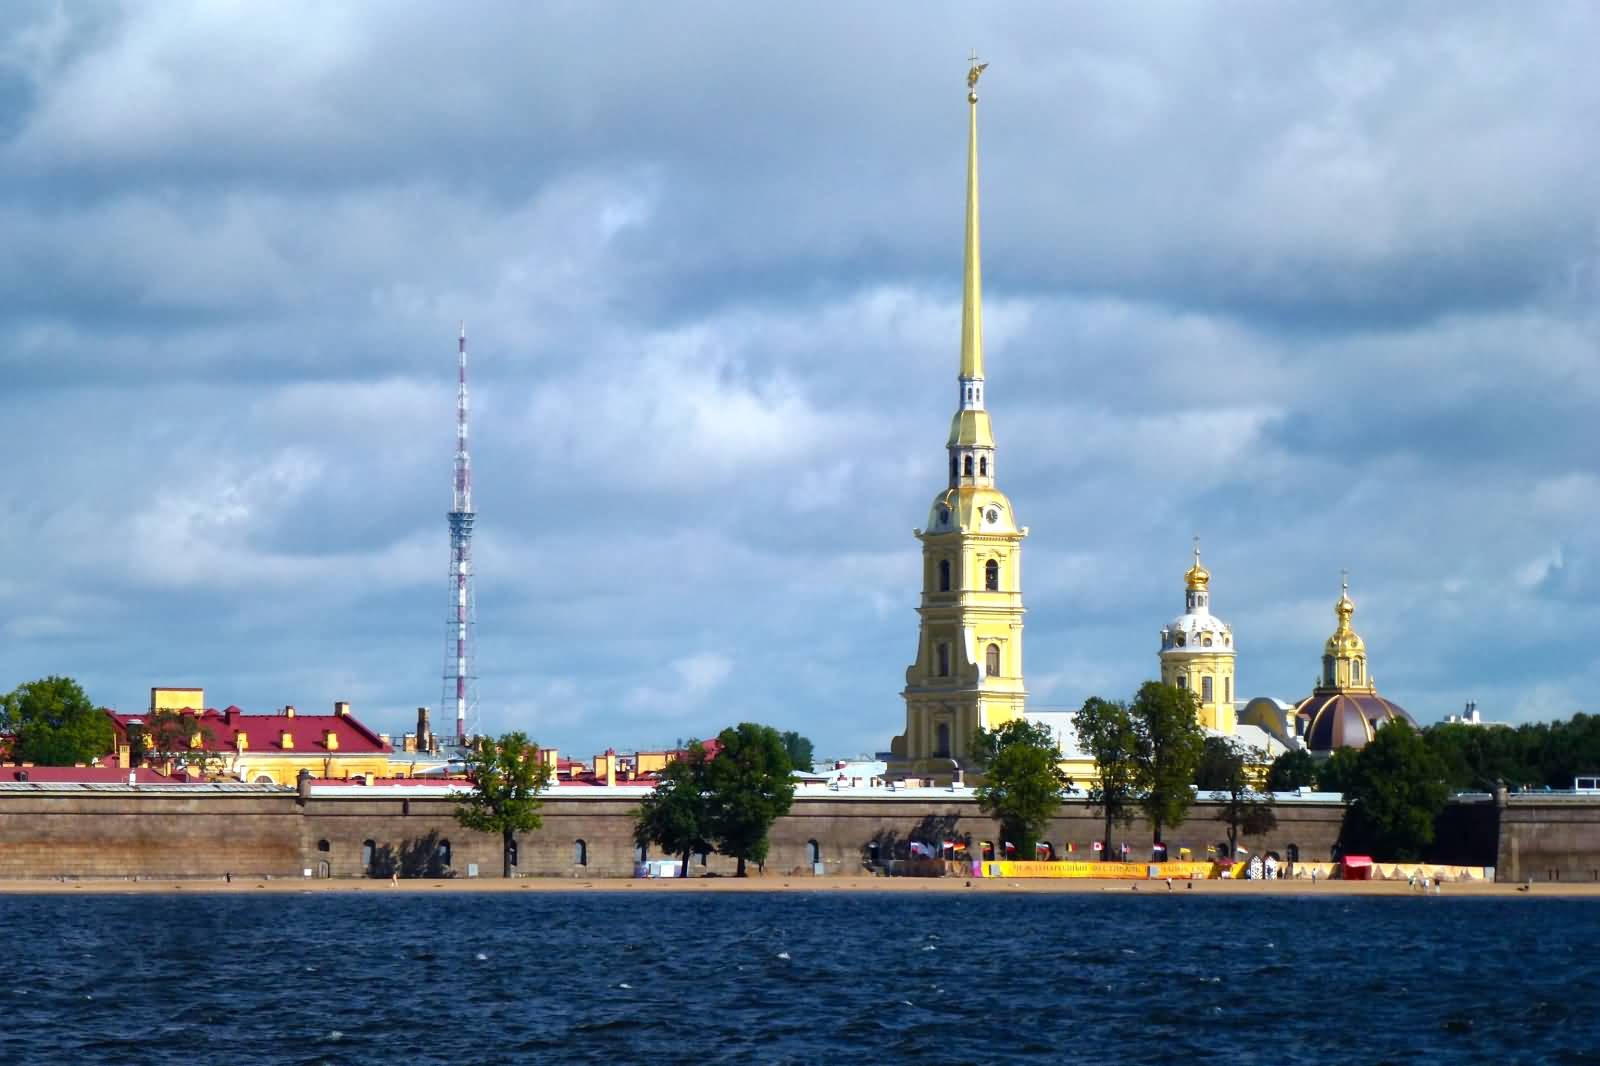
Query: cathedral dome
[
  {"x": 1330, "y": 720},
  {"x": 1197, "y": 629},
  {"x": 1344, "y": 710}
]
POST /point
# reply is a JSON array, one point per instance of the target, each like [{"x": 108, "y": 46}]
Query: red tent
[{"x": 1356, "y": 868}]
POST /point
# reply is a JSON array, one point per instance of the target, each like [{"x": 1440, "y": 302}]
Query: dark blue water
[{"x": 795, "y": 978}]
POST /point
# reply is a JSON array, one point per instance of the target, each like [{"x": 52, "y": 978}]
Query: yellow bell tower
[
  {"x": 1197, "y": 651},
  {"x": 968, "y": 669}
]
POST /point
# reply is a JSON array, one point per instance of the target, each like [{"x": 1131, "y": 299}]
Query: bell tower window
[
  {"x": 944, "y": 575},
  {"x": 991, "y": 576},
  {"x": 966, "y": 466},
  {"x": 944, "y": 660},
  {"x": 992, "y": 660},
  {"x": 983, "y": 467}
]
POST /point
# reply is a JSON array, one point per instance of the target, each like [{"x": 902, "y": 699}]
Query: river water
[{"x": 798, "y": 978}]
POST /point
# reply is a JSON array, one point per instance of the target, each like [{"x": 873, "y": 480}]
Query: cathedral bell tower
[
  {"x": 968, "y": 669},
  {"x": 1197, "y": 651}
]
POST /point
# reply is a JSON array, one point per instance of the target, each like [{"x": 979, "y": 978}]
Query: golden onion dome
[
  {"x": 1345, "y": 641},
  {"x": 1197, "y": 577}
]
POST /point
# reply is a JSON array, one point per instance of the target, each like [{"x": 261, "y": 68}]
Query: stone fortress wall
[{"x": 120, "y": 832}]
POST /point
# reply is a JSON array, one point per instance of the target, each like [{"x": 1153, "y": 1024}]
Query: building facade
[{"x": 968, "y": 669}]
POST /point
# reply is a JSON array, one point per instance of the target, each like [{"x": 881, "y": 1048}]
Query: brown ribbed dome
[{"x": 1330, "y": 720}]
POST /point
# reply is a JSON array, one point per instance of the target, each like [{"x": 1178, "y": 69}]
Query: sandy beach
[{"x": 799, "y": 884}]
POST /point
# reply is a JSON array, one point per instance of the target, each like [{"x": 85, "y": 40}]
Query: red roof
[{"x": 263, "y": 732}]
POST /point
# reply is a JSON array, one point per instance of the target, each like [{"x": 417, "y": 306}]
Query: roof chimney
[
  {"x": 341, "y": 708},
  {"x": 288, "y": 710}
]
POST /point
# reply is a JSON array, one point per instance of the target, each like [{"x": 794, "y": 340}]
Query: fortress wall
[
  {"x": 152, "y": 834},
  {"x": 1549, "y": 838},
  {"x": 118, "y": 834}
]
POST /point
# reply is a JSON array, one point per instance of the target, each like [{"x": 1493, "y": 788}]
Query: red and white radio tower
[{"x": 460, "y": 679}]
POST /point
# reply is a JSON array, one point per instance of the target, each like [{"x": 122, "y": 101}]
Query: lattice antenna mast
[{"x": 460, "y": 678}]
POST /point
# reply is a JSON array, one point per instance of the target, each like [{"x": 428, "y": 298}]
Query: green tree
[
  {"x": 172, "y": 740},
  {"x": 1395, "y": 793},
  {"x": 1213, "y": 771},
  {"x": 52, "y": 723},
  {"x": 1022, "y": 779},
  {"x": 507, "y": 776},
  {"x": 1106, "y": 732},
  {"x": 1244, "y": 808},
  {"x": 1337, "y": 771},
  {"x": 677, "y": 815},
  {"x": 799, "y": 749},
  {"x": 1291, "y": 770},
  {"x": 1167, "y": 719},
  {"x": 749, "y": 787}
]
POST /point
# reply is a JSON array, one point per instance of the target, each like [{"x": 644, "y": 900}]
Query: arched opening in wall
[
  {"x": 872, "y": 853},
  {"x": 264, "y": 779},
  {"x": 991, "y": 660},
  {"x": 580, "y": 853},
  {"x": 369, "y": 848},
  {"x": 444, "y": 853},
  {"x": 641, "y": 854},
  {"x": 991, "y": 576},
  {"x": 1355, "y": 671},
  {"x": 813, "y": 852},
  {"x": 944, "y": 575},
  {"x": 966, "y": 466},
  {"x": 1293, "y": 852},
  {"x": 324, "y": 869},
  {"x": 983, "y": 467},
  {"x": 323, "y": 845},
  {"x": 941, "y": 741}
]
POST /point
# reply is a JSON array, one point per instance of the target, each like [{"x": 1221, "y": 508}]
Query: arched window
[
  {"x": 992, "y": 660},
  {"x": 1327, "y": 669},
  {"x": 944, "y": 575},
  {"x": 322, "y": 845},
  {"x": 444, "y": 853},
  {"x": 580, "y": 853},
  {"x": 1181, "y": 638},
  {"x": 323, "y": 869},
  {"x": 1355, "y": 671},
  {"x": 369, "y": 848},
  {"x": 813, "y": 852},
  {"x": 991, "y": 576},
  {"x": 966, "y": 466},
  {"x": 1206, "y": 641},
  {"x": 944, "y": 660},
  {"x": 264, "y": 779},
  {"x": 941, "y": 743},
  {"x": 1292, "y": 852},
  {"x": 983, "y": 467}
]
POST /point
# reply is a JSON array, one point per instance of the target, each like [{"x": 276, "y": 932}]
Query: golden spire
[
  {"x": 1197, "y": 577},
  {"x": 972, "y": 295}
]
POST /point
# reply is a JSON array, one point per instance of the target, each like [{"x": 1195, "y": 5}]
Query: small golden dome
[
  {"x": 1197, "y": 577},
  {"x": 1345, "y": 641}
]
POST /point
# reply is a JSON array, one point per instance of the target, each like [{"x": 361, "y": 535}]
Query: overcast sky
[{"x": 1315, "y": 282}]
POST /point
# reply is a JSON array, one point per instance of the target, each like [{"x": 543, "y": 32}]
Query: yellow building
[
  {"x": 968, "y": 668},
  {"x": 1197, "y": 652}
]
